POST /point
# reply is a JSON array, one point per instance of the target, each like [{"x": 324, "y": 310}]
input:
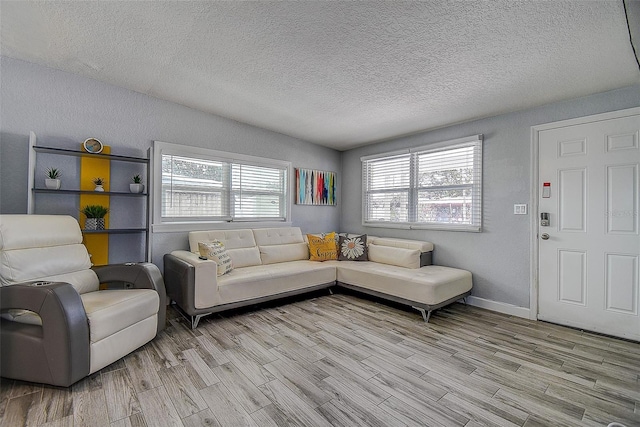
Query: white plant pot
[
  {"x": 52, "y": 184},
  {"x": 136, "y": 188},
  {"x": 99, "y": 188}
]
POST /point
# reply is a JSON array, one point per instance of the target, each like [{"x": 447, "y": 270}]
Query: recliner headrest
[{"x": 30, "y": 231}]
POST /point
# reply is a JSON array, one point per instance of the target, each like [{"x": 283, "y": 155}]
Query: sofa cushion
[
  {"x": 215, "y": 251},
  {"x": 244, "y": 257},
  {"x": 111, "y": 311},
  {"x": 401, "y": 243},
  {"x": 232, "y": 239},
  {"x": 322, "y": 248},
  {"x": 430, "y": 285},
  {"x": 353, "y": 248},
  {"x": 255, "y": 282},
  {"x": 277, "y": 236},
  {"x": 401, "y": 257},
  {"x": 272, "y": 254}
]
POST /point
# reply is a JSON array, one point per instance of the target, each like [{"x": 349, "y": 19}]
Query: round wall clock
[{"x": 93, "y": 146}]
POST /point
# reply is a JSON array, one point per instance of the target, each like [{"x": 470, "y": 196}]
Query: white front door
[{"x": 588, "y": 261}]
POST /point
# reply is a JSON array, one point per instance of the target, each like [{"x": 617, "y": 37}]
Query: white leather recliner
[{"x": 57, "y": 327}]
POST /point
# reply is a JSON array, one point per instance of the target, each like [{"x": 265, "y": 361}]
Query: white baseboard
[{"x": 500, "y": 307}]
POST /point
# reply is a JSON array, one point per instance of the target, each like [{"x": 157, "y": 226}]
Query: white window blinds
[
  {"x": 194, "y": 188},
  {"x": 437, "y": 186},
  {"x": 205, "y": 185},
  {"x": 258, "y": 192}
]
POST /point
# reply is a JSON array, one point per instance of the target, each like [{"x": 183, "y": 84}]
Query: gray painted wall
[
  {"x": 64, "y": 109},
  {"x": 499, "y": 256}
]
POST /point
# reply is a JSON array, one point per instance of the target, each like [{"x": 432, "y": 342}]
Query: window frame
[
  {"x": 177, "y": 223},
  {"x": 474, "y": 141}
]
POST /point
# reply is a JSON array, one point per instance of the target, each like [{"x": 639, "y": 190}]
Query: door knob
[{"x": 544, "y": 236}]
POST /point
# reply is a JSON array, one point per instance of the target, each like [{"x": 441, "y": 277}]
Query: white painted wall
[
  {"x": 64, "y": 109},
  {"x": 499, "y": 257}
]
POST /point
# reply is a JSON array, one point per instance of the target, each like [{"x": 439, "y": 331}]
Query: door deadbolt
[
  {"x": 544, "y": 236},
  {"x": 544, "y": 219}
]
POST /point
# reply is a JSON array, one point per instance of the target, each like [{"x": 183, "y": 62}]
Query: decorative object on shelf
[
  {"x": 98, "y": 182},
  {"x": 314, "y": 187},
  {"x": 95, "y": 216},
  {"x": 137, "y": 186},
  {"x": 93, "y": 146},
  {"x": 53, "y": 182}
]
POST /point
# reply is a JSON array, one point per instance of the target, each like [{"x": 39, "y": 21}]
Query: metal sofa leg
[
  {"x": 426, "y": 315},
  {"x": 196, "y": 319}
]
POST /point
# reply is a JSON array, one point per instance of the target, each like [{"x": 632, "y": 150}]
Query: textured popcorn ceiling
[{"x": 340, "y": 74}]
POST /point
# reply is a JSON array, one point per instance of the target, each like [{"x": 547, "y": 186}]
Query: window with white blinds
[
  {"x": 258, "y": 192},
  {"x": 437, "y": 186},
  {"x": 207, "y": 185}
]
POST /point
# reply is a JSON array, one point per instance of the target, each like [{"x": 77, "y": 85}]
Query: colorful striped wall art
[{"x": 314, "y": 187}]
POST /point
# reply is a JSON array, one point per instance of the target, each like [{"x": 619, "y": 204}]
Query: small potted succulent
[
  {"x": 53, "y": 180},
  {"x": 137, "y": 186},
  {"x": 95, "y": 216},
  {"x": 98, "y": 182}
]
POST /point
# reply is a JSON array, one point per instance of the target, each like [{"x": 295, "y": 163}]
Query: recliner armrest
[
  {"x": 32, "y": 352},
  {"x": 142, "y": 276}
]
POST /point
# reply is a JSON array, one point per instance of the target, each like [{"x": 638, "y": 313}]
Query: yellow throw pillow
[{"x": 323, "y": 248}]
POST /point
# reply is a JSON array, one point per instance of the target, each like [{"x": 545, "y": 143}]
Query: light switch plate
[{"x": 520, "y": 209}]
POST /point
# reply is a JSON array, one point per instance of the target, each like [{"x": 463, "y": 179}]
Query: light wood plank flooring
[{"x": 347, "y": 361}]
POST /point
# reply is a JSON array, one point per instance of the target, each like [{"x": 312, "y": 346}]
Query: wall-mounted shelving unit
[{"x": 67, "y": 200}]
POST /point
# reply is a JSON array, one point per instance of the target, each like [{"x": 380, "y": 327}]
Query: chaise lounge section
[{"x": 272, "y": 263}]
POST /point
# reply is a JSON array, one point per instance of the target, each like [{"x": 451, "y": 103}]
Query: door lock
[
  {"x": 544, "y": 236},
  {"x": 544, "y": 219}
]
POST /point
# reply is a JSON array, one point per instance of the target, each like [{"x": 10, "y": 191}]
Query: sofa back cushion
[
  {"x": 44, "y": 247},
  {"x": 232, "y": 239},
  {"x": 271, "y": 254},
  {"x": 402, "y": 257},
  {"x": 244, "y": 257},
  {"x": 277, "y": 236},
  {"x": 402, "y": 243},
  {"x": 240, "y": 244},
  {"x": 280, "y": 244}
]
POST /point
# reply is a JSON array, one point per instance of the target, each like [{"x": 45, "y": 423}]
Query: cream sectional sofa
[{"x": 271, "y": 263}]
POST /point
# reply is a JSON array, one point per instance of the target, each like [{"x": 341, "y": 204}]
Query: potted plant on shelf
[
  {"x": 137, "y": 186},
  {"x": 98, "y": 182},
  {"x": 95, "y": 216},
  {"x": 53, "y": 182}
]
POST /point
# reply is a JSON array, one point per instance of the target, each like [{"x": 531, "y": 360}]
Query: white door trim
[{"x": 535, "y": 191}]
